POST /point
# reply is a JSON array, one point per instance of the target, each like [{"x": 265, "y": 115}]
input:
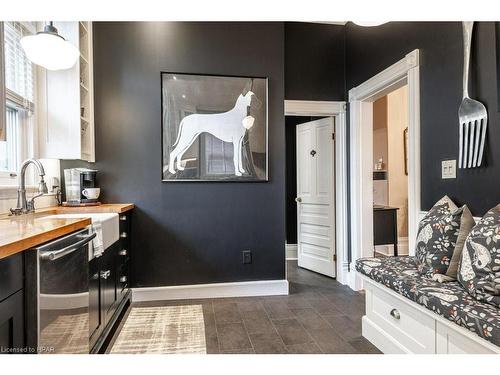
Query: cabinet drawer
[
  {"x": 413, "y": 331},
  {"x": 11, "y": 275}
]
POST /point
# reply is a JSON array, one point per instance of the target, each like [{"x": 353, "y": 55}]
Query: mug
[{"x": 91, "y": 193}]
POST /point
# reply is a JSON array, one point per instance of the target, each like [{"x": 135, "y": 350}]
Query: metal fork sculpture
[{"x": 472, "y": 115}]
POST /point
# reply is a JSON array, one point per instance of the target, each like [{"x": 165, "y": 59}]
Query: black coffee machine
[{"x": 88, "y": 179}]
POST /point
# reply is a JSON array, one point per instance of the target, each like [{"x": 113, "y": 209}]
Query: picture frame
[{"x": 214, "y": 128}]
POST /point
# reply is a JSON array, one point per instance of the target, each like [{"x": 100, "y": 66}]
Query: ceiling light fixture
[
  {"x": 49, "y": 49},
  {"x": 369, "y": 23}
]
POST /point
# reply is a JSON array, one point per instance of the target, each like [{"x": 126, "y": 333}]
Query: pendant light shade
[{"x": 50, "y": 50}]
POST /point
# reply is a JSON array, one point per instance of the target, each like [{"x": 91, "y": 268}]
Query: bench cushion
[{"x": 449, "y": 300}]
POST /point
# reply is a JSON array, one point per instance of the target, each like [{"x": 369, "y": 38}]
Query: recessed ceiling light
[
  {"x": 369, "y": 23},
  {"x": 175, "y": 78},
  {"x": 183, "y": 96}
]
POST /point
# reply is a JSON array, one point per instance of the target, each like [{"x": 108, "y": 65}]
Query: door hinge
[
  {"x": 334, "y": 257},
  {"x": 333, "y": 136}
]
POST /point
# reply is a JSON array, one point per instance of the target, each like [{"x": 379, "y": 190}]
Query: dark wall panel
[
  {"x": 371, "y": 49},
  {"x": 187, "y": 233},
  {"x": 314, "y": 61}
]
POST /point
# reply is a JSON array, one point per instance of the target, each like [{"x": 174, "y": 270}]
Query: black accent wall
[
  {"x": 187, "y": 233},
  {"x": 369, "y": 50},
  {"x": 314, "y": 61}
]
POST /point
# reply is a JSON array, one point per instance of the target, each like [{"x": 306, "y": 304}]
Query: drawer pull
[
  {"x": 123, "y": 279},
  {"x": 395, "y": 314},
  {"x": 123, "y": 235},
  {"x": 122, "y": 252},
  {"x": 105, "y": 274},
  {"x": 123, "y": 218}
]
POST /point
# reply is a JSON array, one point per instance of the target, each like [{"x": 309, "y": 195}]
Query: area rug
[{"x": 162, "y": 330}]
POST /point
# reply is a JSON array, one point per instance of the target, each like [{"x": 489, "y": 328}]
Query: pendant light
[{"x": 50, "y": 50}]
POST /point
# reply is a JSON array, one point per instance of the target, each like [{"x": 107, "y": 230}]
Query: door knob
[
  {"x": 298, "y": 199},
  {"x": 313, "y": 152}
]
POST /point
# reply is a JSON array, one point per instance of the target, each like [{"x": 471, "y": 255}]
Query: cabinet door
[
  {"x": 12, "y": 322},
  {"x": 95, "y": 322},
  {"x": 108, "y": 283}
]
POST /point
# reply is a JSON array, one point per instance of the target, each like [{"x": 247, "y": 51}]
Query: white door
[{"x": 315, "y": 196}]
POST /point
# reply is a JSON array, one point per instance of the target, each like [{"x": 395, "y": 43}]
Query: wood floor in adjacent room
[{"x": 319, "y": 316}]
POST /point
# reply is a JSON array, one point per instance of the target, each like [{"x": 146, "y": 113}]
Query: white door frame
[
  {"x": 337, "y": 110},
  {"x": 361, "y": 98}
]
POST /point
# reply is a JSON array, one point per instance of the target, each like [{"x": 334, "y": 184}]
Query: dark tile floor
[{"x": 318, "y": 316}]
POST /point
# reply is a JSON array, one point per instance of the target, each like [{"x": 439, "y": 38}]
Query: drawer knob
[
  {"x": 123, "y": 279},
  {"x": 395, "y": 314},
  {"x": 123, "y": 252},
  {"x": 123, "y": 218},
  {"x": 123, "y": 235}
]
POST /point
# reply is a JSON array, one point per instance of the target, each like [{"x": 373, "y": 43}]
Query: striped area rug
[{"x": 162, "y": 330}]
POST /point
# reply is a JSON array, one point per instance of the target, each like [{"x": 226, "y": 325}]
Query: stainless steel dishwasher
[{"x": 58, "y": 302}]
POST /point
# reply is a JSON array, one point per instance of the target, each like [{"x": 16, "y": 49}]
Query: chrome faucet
[{"x": 23, "y": 205}]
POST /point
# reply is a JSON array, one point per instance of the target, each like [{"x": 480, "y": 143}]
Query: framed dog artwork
[{"x": 214, "y": 128}]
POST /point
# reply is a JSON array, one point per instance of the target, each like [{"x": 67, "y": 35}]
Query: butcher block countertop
[{"x": 19, "y": 233}]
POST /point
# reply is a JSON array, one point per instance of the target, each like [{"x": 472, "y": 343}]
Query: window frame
[{"x": 26, "y": 133}]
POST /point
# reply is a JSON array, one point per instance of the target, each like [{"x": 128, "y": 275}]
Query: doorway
[
  {"x": 299, "y": 112},
  {"x": 316, "y": 196},
  {"x": 361, "y": 98},
  {"x": 390, "y": 173}
]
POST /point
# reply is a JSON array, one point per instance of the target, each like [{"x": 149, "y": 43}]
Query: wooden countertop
[
  {"x": 19, "y": 233},
  {"x": 117, "y": 208}
]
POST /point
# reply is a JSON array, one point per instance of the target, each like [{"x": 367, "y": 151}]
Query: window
[{"x": 17, "y": 92}]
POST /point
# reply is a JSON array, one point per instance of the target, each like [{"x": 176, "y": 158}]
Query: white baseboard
[
  {"x": 219, "y": 290},
  {"x": 291, "y": 251}
]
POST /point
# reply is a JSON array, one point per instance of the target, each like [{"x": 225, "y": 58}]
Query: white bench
[{"x": 395, "y": 324}]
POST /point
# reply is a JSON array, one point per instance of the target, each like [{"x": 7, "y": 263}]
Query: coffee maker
[{"x": 76, "y": 180}]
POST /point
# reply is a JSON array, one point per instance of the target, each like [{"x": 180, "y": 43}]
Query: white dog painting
[
  {"x": 229, "y": 126},
  {"x": 214, "y": 128}
]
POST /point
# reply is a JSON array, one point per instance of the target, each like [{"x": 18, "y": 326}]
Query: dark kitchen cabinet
[
  {"x": 109, "y": 286},
  {"x": 95, "y": 321},
  {"x": 108, "y": 282},
  {"x": 12, "y": 323},
  {"x": 12, "y": 326}
]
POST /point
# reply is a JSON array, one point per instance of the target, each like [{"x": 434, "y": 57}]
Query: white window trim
[{"x": 28, "y": 148}]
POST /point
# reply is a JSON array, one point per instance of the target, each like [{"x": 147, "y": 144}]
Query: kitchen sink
[{"x": 105, "y": 224}]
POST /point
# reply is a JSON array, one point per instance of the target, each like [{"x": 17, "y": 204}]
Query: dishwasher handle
[{"x": 56, "y": 254}]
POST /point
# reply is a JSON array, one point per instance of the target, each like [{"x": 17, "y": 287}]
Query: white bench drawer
[{"x": 409, "y": 329}]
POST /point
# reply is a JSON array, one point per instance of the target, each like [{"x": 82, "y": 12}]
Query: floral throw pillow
[
  {"x": 440, "y": 240},
  {"x": 479, "y": 271}
]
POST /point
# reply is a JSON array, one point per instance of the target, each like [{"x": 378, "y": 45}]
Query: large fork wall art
[{"x": 214, "y": 128}]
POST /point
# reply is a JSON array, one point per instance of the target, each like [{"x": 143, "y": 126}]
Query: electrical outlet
[
  {"x": 448, "y": 169},
  {"x": 247, "y": 257}
]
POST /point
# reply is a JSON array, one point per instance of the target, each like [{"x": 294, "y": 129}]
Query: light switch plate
[{"x": 448, "y": 169}]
